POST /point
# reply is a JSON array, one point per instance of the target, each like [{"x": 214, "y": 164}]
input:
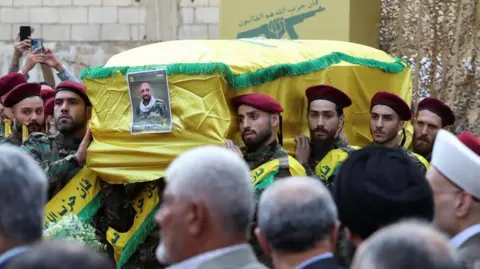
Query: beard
[
  {"x": 32, "y": 127},
  {"x": 146, "y": 99},
  {"x": 69, "y": 127},
  {"x": 322, "y": 142},
  {"x": 260, "y": 138},
  {"x": 422, "y": 146},
  {"x": 161, "y": 254}
]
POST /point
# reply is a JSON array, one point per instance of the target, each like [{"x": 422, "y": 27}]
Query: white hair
[
  {"x": 221, "y": 178},
  {"x": 296, "y": 213},
  {"x": 23, "y": 195},
  {"x": 408, "y": 244}
]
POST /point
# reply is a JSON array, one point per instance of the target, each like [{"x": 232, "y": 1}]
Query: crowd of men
[{"x": 230, "y": 210}]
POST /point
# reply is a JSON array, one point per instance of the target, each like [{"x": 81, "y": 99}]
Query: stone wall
[{"x": 88, "y": 32}]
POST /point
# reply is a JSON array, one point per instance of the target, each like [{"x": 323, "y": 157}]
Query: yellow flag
[{"x": 81, "y": 196}]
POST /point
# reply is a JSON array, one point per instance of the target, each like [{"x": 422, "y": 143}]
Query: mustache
[
  {"x": 423, "y": 138},
  {"x": 248, "y": 131},
  {"x": 34, "y": 123},
  {"x": 320, "y": 129}
]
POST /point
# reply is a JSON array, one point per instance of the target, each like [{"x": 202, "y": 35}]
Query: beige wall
[{"x": 88, "y": 32}]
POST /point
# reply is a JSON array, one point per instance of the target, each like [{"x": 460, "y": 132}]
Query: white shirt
[
  {"x": 195, "y": 261},
  {"x": 463, "y": 236},
  {"x": 6, "y": 256},
  {"x": 315, "y": 259}
]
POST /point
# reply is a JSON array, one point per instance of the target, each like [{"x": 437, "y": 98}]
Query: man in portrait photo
[{"x": 150, "y": 106}]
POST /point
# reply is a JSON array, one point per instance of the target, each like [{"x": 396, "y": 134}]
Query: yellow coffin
[{"x": 204, "y": 75}]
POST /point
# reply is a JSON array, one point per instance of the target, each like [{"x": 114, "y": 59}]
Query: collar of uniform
[
  {"x": 67, "y": 142},
  {"x": 266, "y": 152}
]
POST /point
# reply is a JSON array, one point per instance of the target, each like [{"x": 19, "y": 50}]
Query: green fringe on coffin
[{"x": 253, "y": 78}]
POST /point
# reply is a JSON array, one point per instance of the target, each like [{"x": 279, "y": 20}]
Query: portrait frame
[{"x": 150, "y": 101}]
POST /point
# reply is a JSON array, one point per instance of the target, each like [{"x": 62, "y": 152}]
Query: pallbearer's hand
[
  {"x": 81, "y": 154},
  {"x": 230, "y": 145},
  {"x": 302, "y": 149}
]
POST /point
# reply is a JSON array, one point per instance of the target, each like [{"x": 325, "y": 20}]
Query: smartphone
[
  {"x": 25, "y": 32},
  {"x": 37, "y": 43}
]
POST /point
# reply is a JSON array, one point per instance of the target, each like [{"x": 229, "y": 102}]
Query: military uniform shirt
[
  {"x": 268, "y": 153},
  {"x": 56, "y": 155},
  {"x": 2, "y": 129},
  {"x": 13, "y": 139},
  {"x": 316, "y": 157},
  {"x": 158, "y": 110}
]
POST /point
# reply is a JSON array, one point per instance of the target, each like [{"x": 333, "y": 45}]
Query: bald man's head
[
  {"x": 408, "y": 244},
  {"x": 295, "y": 214}
]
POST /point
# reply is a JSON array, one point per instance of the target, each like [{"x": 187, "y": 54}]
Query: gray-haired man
[
  {"x": 408, "y": 244},
  {"x": 207, "y": 210},
  {"x": 297, "y": 224},
  {"x": 23, "y": 194}
]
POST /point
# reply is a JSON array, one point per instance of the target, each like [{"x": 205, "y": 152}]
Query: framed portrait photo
[{"x": 150, "y": 101}]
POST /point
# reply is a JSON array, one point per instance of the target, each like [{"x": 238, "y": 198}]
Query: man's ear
[
  {"x": 401, "y": 125},
  {"x": 89, "y": 112},
  {"x": 263, "y": 241},
  {"x": 275, "y": 118},
  {"x": 464, "y": 205}
]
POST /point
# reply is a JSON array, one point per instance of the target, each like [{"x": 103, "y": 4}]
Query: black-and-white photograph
[{"x": 150, "y": 100}]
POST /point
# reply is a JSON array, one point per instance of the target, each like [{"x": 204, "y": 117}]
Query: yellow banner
[
  {"x": 8, "y": 127},
  {"x": 125, "y": 244},
  {"x": 354, "y": 21},
  {"x": 263, "y": 171},
  {"x": 327, "y": 166},
  {"x": 81, "y": 196}
]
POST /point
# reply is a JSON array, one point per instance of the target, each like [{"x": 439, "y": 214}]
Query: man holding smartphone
[{"x": 37, "y": 54}]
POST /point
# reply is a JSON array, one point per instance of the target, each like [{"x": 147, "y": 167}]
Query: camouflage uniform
[
  {"x": 14, "y": 138},
  {"x": 254, "y": 160},
  {"x": 317, "y": 156},
  {"x": 158, "y": 110},
  {"x": 2, "y": 129},
  {"x": 270, "y": 152},
  {"x": 56, "y": 155}
]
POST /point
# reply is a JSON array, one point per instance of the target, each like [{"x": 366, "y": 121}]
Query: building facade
[{"x": 88, "y": 32}]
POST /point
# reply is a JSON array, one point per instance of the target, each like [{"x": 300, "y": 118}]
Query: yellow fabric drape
[{"x": 200, "y": 103}]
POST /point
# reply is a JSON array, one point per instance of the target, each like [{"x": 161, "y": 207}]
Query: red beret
[
  {"x": 47, "y": 94},
  {"x": 394, "y": 102},
  {"x": 438, "y": 107},
  {"x": 471, "y": 141},
  {"x": 10, "y": 81},
  {"x": 258, "y": 101},
  {"x": 21, "y": 92},
  {"x": 329, "y": 93},
  {"x": 75, "y": 87},
  {"x": 48, "y": 107}
]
